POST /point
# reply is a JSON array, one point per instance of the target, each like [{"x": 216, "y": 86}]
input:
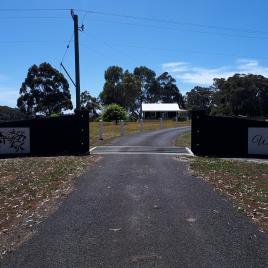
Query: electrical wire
[
  {"x": 117, "y": 46},
  {"x": 120, "y": 51},
  {"x": 84, "y": 17},
  {"x": 250, "y": 31},
  {"x": 136, "y": 18},
  {"x": 173, "y": 22},
  {"x": 67, "y": 48},
  {"x": 185, "y": 51},
  {"x": 14, "y": 18},
  {"x": 185, "y": 30},
  {"x": 32, "y": 9},
  {"x": 30, "y": 42}
]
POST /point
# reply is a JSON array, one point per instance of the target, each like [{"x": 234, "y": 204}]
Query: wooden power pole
[{"x": 77, "y": 64}]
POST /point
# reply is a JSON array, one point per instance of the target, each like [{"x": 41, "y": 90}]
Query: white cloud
[
  {"x": 191, "y": 74},
  {"x": 252, "y": 66}
]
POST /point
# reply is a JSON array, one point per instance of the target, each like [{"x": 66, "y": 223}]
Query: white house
[{"x": 161, "y": 110}]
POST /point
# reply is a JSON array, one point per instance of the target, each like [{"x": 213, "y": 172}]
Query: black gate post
[
  {"x": 83, "y": 118},
  {"x": 197, "y": 124}
]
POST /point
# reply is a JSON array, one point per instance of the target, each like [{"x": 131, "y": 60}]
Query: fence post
[
  {"x": 122, "y": 128},
  {"x": 161, "y": 123},
  {"x": 101, "y": 130},
  {"x": 176, "y": 120},
  {"x": 112, "y": 128},
  {"x": 141, "y": 125}
]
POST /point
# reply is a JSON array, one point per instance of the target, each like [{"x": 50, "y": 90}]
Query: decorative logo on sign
[
  {"x": 258, "y": 141},
  {"x": 14, "y": 140}
]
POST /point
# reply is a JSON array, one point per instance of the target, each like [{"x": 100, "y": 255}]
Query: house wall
[{"x": 158, "y": 115}]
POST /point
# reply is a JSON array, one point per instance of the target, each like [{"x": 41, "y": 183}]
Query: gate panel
[
  {"x": 49, "y": 136},
  {"x": 225, "y": 136}
]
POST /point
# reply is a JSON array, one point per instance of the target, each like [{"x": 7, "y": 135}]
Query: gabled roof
[{"x": 160, "y": 107}]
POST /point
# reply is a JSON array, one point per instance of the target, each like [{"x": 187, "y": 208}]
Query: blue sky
[{"x": 193, "y": 40}]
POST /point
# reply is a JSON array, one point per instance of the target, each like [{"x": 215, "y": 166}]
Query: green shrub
[{"x": 114, "y": 112}]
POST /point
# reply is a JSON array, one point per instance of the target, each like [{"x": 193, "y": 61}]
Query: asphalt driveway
[{"x": 144, "y": 211}]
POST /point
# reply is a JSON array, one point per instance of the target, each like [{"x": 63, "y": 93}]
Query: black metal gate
[
  {"x": 227, "y": 136},
  {"x": 67, "y": 134}
]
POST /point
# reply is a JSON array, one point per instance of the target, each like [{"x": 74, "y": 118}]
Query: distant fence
[
  {"x": 46, "y": 136},
  {"x": 227, "y": 136},
  {"x": 103, "y": 131}
]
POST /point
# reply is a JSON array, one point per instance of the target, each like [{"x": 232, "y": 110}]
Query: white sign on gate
[
  {"x": 14, "y": 140},
  {"x": 258, "y": 140}
]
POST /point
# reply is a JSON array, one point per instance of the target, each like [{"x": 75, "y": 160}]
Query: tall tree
[
  {"x": 168, "y": 91},
  {"x": 199, "y": 98},
  {"x": 241, "y": 95},
  {"x": 90, "y": 103},
  {"x": 147, "y": 85},
  {"x": 113, "y": 90},
  {"x": 131, "y": 90},
  {"x": 44, "y": 91}
]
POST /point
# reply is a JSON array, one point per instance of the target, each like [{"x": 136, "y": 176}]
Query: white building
[{"x": 161, "y": 110}]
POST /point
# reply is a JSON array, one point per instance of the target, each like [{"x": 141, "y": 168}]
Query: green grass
[
  {"x": 184, "y": 140},
  {"x": 245, "y": 183},
  {"x": 111, "y": 131}
]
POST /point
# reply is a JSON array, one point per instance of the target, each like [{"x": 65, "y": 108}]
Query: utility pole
[{"x": 76, "y": 51}]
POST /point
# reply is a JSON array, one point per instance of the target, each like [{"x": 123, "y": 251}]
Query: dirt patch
[
  {"x": 245, "y": 183},
  {"x": 30, "y": 190}
]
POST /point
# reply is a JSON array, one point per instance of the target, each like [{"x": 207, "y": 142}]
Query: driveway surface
[{"x": 143, "y": 211}]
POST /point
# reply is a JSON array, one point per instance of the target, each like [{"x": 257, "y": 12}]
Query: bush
[
  {"x": 11, "y": 114},
  {"x": 114, "y": 112}
]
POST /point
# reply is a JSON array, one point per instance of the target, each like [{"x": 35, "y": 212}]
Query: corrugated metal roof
[{"x": 160, "y": 107}]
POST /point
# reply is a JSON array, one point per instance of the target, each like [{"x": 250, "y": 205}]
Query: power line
[
  {"x": 186, "y": 30},
  {"x": 30, "y": 42},
  {"x": 32, "y": 9},
  {"x": 251, "y": 31},
  {"x": 84, "y": 17},
  {"x": 173, "y": 22},
  {"x": 67, "y": 47},
  {"x": 182, "y": 51},
  {"x": 116, "y": 47},
  {"x": 86, "y": 12},
  {"x": 110, "y": 46},
  {"x": 14, "y": 18}
]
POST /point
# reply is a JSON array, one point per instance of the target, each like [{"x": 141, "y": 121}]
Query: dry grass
[
  {"x": 111, "y": 131},
  {"x": 245, "y": 183},
  {"x": 184, "y": 140},
  {"x": 30, "y": 189}
]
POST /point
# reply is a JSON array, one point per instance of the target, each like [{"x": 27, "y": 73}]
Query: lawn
[
  {"x": 30, "y": 189},
  {"x": 184, "y": 140},
  {"x": 111, "y": 131},
  {"x": 245, "y": 183}
]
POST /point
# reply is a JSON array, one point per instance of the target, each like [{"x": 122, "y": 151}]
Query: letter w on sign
[{"x": 258, "y": 141}]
